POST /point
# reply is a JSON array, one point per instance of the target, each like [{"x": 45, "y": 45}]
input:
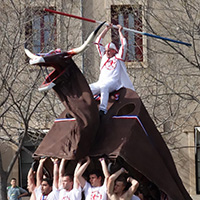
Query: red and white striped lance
[{"x": 114, "y": 26}]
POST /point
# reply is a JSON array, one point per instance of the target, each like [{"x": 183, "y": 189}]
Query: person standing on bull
[{"x": 113, "y": 74}]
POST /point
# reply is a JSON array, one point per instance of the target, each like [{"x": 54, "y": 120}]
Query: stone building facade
[{"x": 164, "y": 74}]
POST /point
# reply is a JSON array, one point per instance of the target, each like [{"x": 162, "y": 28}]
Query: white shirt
[
  {"x": 53, "y": 195},
  {"x": 74, "y": 194},
  {"x": 134, "y": 197},
  {"x": 95, "y": 193},
  {"x": 114, "y": 69}
]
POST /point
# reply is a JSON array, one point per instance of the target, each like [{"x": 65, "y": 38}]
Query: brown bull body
[
  {"x": 71, "y": 137},
  {"x": 126, "y": 131}
]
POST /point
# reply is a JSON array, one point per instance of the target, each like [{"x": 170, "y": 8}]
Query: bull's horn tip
[
  {"x": 97, "y": 29},
  {"x": 34, "y": 59}
]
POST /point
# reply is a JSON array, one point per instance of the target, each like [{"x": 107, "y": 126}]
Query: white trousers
[{"x": 104, "y": 90}]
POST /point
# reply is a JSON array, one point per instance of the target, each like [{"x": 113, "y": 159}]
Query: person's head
[
  {"x": 110, "y": 50},
  {"x": 13, "y": 182},
  {"x": 120, "y": 185},
  {"x": 46, "y": 186},
  {"x": 96, "y": 178},
  {"x": 67, "y": 181}
]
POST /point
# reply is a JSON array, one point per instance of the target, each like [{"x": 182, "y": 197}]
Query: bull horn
[
  {"x": 34, "y": 59},
  {"x": 85, "y": 44}
]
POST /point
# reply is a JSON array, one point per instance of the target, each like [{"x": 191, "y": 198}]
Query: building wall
[
  {"x": 7, "y": 153},
  {"x": 182, "y": 147}
]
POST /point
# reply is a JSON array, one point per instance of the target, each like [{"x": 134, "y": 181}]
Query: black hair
[
  {"x": 69, "y": 175},
  {"x": 13, "y": 179},
  {"x": 123, "y": 178},
  {"x": 97, "y": 172},
  {"x": 49, "y": 181}
]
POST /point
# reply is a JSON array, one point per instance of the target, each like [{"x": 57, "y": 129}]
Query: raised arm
[
  {"x": 62, "y": 171},
  {"x": 31, "y": 180},
  {"x": 39, "y": 174},
  {"x": 62, "y": 167},
  {"x": 123, "y": 48},
  {"x": 31, "y": 183},
  {"x": 55, "y": 172},
  {"x": 98, "y": 42},
  {"x": 80, "y": 171},
  {"x": 134, "y": 186},
  {"x": 120, "y": 28},
  {"x": 76, "y": 182},
  {"x": 103, "y": 33},
  {"x": 104, "y": 168},
  {"x": 111, "y": 180}
]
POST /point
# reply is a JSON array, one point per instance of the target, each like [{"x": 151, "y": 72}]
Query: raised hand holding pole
[{"x": 114, "y": 26}]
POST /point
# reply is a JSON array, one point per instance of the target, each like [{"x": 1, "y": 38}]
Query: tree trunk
[
  {"x": 3, "y": 184},
  {"x": 3, "y": 181}
]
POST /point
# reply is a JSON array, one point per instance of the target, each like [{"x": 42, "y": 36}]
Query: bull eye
[{"x": 126, "y": 109}]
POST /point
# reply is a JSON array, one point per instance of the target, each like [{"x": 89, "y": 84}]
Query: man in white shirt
[
  {"x": 69, "y": 186},
  {"x": 47, "y": 189},
  {"x": 113, "y": 74},
  {"x": 96, "y": 189},
  {"x": 31, "y": 183}
]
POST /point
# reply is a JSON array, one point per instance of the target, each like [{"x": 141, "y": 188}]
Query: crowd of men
[{"x": 75, "y": 186}]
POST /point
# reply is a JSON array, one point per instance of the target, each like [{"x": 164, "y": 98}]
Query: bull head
[{"x": 58, "y": 70}]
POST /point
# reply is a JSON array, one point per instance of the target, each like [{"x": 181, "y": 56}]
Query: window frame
[
  {"x": 34, "y": 13},
  {"x": 138, "y": 25}
]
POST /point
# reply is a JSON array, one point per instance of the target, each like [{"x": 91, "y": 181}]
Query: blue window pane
[
  {"x": 131, "y": 17},
  {"x": 43, "y": 29},
  {"x": 131, "y": 38}
]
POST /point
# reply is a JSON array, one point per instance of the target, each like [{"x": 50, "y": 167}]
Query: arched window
[{"x": 40, "y": 30}]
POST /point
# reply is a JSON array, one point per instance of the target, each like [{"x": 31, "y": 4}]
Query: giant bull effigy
[{"x": 126, "y": 132}]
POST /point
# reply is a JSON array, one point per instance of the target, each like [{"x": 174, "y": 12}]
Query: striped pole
[{"x": 114, "y": 26}]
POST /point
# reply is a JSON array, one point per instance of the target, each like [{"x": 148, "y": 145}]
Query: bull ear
[
  {"x": 34, "y": 59},
  {"x": 85, "y": 44}
]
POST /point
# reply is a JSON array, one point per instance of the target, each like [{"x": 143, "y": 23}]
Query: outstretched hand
[
  {"x": 109, "y": 26},
  {"x": 86, "y": 159},
  {"x": 101, "y": 159},
  {"x": 131, "y": 180},
  {"x": 124, "y": 170},
  {"x": 43, "y": 159},
  {"x": 55, "y": 160},
  {"x": 119, "y": 27}
]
